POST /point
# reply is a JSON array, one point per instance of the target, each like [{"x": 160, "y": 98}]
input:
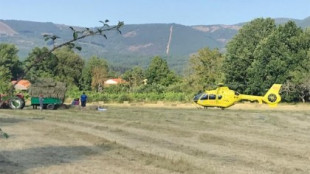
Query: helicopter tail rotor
[{"x": 272, "y": 97}]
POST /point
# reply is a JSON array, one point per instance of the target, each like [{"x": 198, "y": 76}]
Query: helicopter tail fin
[{"x": 272, "y": 97}]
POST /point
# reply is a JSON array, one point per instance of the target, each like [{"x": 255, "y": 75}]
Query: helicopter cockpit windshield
[
  {"x": 205, "y": 96},
  {"x": 197, "y": 96}
]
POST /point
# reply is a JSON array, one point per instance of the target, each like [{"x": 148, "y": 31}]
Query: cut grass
[{"x": 170, "y": 140}]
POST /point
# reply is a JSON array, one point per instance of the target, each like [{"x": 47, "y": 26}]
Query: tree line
[{"x": 261, "y": 54}]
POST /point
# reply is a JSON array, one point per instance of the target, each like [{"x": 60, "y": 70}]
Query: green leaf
[
  {"x": 78, "y": 48},
  {"x": 71, "y": 45},
  {"x": 105, "y": 36},
  {"x": 54, "y": 37},
  {"x": 99, "y": 31},
  {"x": 120, "y": 23},
  {"x": 5, "y": 135},
  {"x": 46, "y": 37},
  {"x": 75, "y": 35},
  {"x": 72, "y": 28}
]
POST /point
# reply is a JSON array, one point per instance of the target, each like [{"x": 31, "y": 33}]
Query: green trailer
[
  {"x": 53, "y": 93},
  {"x": 48, "y": 103}
]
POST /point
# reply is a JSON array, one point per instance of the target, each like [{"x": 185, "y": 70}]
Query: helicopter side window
[
  {"x": 204, "y": 97},
  {"x": 212, "y": 97},
  {"x": 219, "y": 97}
]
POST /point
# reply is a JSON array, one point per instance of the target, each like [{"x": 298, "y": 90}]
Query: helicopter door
[{"x": 211, "y": 99}]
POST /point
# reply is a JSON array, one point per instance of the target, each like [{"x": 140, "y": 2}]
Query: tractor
[{"x": 13, "y": 102}]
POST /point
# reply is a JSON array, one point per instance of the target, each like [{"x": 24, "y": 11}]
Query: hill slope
[{"x": 137, "y": 44}]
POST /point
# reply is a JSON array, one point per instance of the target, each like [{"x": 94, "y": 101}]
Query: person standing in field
[
  {"x": 83, "y": 99},
  {"x": 41, "y": 99}
]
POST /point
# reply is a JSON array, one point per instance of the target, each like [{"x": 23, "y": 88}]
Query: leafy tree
[
  {"x": 5, "y": 78},
  {"x": 9, "y": 66},
  {"x": 205, "y": 69},
  {"x": 275, "y": 57},
  {"x": 158, "y": 73},
  {"x": 297, "y": 86},
  {"x": 281, "y": 56},
  {"x": 94, "y": 74},
  {"x": 240, "y": 51},
  {"x": 43, "y": 68},
  {"x": 9, "y": 60},
  {"x": 99, "y": 75},
  {"x": 134, "y": 76},
  {"x": 69, "y": 66}
]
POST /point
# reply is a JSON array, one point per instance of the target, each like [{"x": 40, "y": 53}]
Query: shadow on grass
[
  {"x": 18, "y": 161},
  {"x": 10, "y": 120}
]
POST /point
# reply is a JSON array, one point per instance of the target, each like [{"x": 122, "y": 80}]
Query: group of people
[
  {"x": 83, "y": 100},
  {"x": 74, "y": 102}
]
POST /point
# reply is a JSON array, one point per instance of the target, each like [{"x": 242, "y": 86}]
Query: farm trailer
[
  {"x": 48, "y": 103},
  {"x": 53, "y": 93}
]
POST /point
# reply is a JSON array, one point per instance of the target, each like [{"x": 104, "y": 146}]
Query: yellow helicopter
[{"x": 223, "y": 97}]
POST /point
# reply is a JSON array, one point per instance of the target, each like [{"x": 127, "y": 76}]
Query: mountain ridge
[{"x": 137, "y": 44}]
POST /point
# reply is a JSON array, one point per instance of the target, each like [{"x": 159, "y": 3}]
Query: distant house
[
  {"x": 110, "y": 82},
  {"x": 21, "y": 85}
]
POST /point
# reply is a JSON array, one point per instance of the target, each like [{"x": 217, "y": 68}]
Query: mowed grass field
[{"x": 139, "y": 140}]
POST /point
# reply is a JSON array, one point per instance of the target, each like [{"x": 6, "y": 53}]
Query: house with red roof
[{"x": 116, "y": 81}]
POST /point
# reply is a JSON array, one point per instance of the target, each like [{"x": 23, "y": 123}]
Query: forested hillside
[
  {"x": 137, "y": 44},
  {"x": 260, "y": 54}
]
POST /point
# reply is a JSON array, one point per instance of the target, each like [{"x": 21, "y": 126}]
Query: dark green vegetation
[
  {"x": 259, "y": 55},
  {"x": 262, "y": 54}
]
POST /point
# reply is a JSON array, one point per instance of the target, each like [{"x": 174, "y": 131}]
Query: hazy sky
[{"x": 87, "y": 13}]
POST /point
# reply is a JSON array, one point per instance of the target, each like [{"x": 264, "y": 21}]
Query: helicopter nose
[{"x": 196, "y": 97}]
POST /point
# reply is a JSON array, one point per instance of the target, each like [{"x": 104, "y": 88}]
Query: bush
[
  {"x": 123, "y": 97},
  {"x": 152, "y": 88},
  {"x": 113, "y": 96},
  {"x": 171, "y": 96},
  {"x": 103, "y": 97},
  {"x": 122, "y": 88}
]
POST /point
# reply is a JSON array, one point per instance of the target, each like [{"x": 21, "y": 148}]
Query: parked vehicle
[
  {"x": 53, "y": 93},
  {"x": 48, "y": 103},
  {"x": 13, "y": 102}
]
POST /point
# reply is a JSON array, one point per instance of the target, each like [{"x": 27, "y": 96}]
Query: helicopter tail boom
[{"x": 272, "y": 97}]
